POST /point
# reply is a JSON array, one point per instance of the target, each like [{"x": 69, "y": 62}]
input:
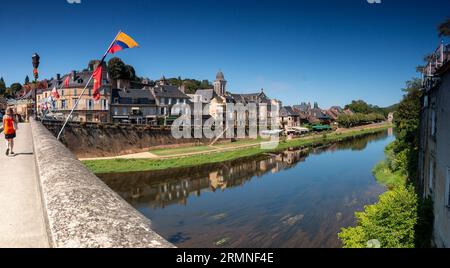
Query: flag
[
  {"x": 55, "y": 94},
  {"x": 66, "y": 82},
  {"x": 97, "y": 75},
  {"x": 123, "y": 41}
]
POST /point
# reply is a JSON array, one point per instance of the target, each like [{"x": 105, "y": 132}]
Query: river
[{"x": 294, "y": 199}]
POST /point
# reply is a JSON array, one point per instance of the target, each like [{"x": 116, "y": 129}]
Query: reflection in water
[{"x": 296, "y": 198}]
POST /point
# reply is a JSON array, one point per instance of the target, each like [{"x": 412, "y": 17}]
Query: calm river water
[{"x": 291, "y": 199}]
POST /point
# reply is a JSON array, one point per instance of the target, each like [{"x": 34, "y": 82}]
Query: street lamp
[{"x": 35, "y": 60}]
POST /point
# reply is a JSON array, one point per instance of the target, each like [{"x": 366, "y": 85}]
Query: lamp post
[{"x": 35, "y": 60}]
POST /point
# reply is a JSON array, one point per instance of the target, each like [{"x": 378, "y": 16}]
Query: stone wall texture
[
  {"x": 99, "y": 140},
  {"x": 82, "y": 211}
]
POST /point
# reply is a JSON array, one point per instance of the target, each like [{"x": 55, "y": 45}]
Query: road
[{"x": 22, "y": 222}]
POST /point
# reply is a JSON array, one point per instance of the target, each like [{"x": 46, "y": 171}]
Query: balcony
[
  {"x": 437, "y": 59},
  {"x": 431, "y": 72}
]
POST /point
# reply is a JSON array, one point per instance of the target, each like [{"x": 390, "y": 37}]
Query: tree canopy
[
  {"x": 15, "y": 88},
  {"x": 444, "y": 28},
  {"x": 191, "y": 85},
  {"x": 2, "y": 86},
  {"x": 119, "y": 70}
]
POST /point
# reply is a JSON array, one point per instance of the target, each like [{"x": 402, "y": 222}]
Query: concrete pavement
[{"x": 22, "y": 223}]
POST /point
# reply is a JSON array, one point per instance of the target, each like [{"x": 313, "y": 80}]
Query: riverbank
[
  {"x": 228, "y": 154},
  {"x": 396, "y": 220}
]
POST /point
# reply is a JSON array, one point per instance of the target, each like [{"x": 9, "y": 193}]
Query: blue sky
[{"x": 330, "y": 51}]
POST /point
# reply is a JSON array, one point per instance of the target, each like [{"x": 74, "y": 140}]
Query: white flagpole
[{"x": 85, "y": 87}]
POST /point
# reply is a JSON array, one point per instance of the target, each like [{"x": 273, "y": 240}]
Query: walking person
[{"x": 9, "y": 128}]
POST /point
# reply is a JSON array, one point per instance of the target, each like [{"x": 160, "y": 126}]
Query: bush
[{"x": 391, "y": 221}]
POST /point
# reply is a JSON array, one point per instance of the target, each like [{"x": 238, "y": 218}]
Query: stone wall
[
  {"x": 99, "y": 140},
  {"x": 81, "y": 210},
  {"x": 434, "y": 158}
]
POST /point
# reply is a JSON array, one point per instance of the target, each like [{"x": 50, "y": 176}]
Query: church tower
[{"x": 220, "y": 84}]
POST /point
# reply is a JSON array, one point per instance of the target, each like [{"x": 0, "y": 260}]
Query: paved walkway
[{"x": 21, "y": 214}]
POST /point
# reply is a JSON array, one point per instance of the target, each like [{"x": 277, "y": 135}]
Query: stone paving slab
[{"x": 22, "y": 222}]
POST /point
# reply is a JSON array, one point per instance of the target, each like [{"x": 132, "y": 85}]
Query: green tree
[
  {"x": 2, "y": 86},
  {"x": 130, "y": 73},
  {"x": 444, "y": 28},
  {"x": 391, "y": 221},
  {"x": 205, "y": 84},
  {"x": 116, "y": 68},
  {"x": 407, "y": 127},
  {"x": 15, "y": 88}
]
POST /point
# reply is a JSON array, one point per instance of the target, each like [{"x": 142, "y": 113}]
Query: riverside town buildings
[
  {"x": 151, "y": 103},
  {"x": 434, "y": 147}
]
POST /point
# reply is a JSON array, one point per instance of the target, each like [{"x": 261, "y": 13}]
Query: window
[
  {"x": 163, "y": 101},
  {"x": 62, "y": 92},
  {"x": 431, "y": 168},
  {"x": 433, "y": 123},
  {"x": 63, "y": 104},
  {"x": 124, "y": 111},
  {"x": 104, "y": 104},
  {"x": 170, "y": 101},
  {"x": 74, "y": 102},
  {"x": 425, "y": 101},
  {"x": 116, "y": 110},
  {"x": 89, "y": 104},
  {"x": 116, "y": 100}
]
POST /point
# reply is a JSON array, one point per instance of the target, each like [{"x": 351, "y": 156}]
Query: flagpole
[{"x": 85, "y": 87}]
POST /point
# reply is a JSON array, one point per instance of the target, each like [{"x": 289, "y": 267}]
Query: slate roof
[
  {"x": 136, "y": 94},
  {"x": 249, "y": 98},
  {"x": 167, "y": 91},
  {"x": 303, "y": 107},
  {"x": 287, "y": 111},
  {"x": 79, "y": 82},
  {"x": 206, "y": 94}
]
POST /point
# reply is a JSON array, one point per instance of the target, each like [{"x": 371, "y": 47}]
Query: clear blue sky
[{"x": 323, "y": 50}]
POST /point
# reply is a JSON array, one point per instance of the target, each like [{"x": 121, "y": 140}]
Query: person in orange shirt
[{"x": 9, "y": 128}]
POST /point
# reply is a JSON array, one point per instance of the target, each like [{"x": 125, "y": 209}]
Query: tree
[
  {"x": 359, "y": 106},
  {"x": 391, "y": 221},
  {"x": 407, "y": 127},
  {"x": 130, "y": 73},
  {"x": 27, "y": 80},
  {"x": 15, "y": 88},
  {"x": 205, "y": 84},
  {"x": 2, "y": 86},
  {"x": 444, "y": 28},
  {"x": 116, "y": 68}
]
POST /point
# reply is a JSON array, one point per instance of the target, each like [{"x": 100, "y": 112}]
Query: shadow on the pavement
[{"x": 22, "y": 154}]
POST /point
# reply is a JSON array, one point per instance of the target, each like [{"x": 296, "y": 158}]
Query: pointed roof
[{"x": 220, "y": 76}]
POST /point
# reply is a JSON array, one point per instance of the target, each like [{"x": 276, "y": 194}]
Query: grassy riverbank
[
  {"x": 391, "y": 222},
  {"x": 131, "y": 165},
  {"x": 387, "y": 177}
]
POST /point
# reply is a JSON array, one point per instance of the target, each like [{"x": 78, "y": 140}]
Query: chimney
[
  {"x": 74, "y": 75},
  {"x": 58, "y": 77},
  {"x": 182, "y": 88}
]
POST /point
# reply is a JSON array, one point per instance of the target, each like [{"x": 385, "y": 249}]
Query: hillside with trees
[{"x": 364, "y": 113}]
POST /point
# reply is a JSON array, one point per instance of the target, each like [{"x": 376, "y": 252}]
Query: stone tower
[{"x": 220, "y": 84}]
